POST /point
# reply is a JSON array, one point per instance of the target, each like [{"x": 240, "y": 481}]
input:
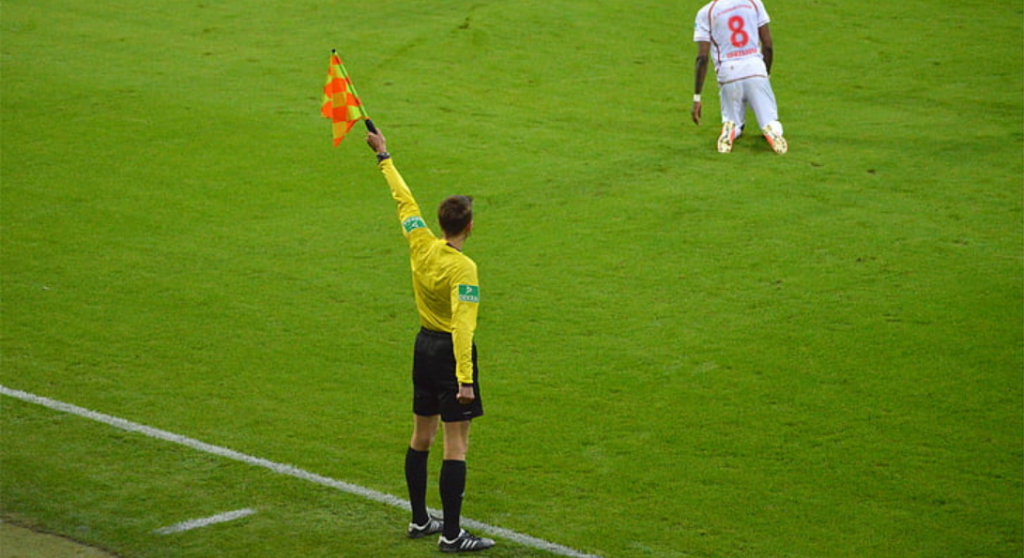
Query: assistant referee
[{"x": 445, "y": 376}]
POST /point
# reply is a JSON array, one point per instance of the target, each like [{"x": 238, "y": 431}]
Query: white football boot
[
  {"x": 727, "y": 136},
  {"x": 773, "y": 133}
]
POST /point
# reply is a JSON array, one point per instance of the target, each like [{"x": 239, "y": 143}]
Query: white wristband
[{"x": 696, "y": 97}]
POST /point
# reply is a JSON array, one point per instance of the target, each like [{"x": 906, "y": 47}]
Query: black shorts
[{"x": 435, "y": 387}]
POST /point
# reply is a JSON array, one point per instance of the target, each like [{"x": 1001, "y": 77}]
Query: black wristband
[{"x": 382, "y": 156}]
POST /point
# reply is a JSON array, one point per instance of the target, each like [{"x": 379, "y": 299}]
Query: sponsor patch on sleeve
[
  {"x": 413, "y": 223},
  {"x": 469, "y": 293}
]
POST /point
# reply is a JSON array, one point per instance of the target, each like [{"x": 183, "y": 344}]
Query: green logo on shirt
[
  {"x": 413, "y": 223},
  {"x": 469, "y": 293}
]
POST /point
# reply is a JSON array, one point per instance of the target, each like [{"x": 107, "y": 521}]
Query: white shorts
[{"x": 755, "y": 92}]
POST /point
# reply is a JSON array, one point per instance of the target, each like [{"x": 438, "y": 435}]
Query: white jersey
[{"x": 731, "y": 26}]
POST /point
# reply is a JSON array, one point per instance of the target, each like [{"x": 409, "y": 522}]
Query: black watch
[{"x": 382, "y": 156}]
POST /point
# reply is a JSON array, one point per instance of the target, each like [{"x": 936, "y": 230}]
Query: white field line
[
  {"x": 197, "y": 523},
  {"x": 283, "y": 469}
]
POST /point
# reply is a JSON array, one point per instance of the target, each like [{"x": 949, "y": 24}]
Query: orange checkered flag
[{"x": 341, "y": 102}]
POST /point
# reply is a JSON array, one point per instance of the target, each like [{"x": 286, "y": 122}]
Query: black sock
[
  {"x": 453, "y": 485},
  {"x": 416, "y": 480}
]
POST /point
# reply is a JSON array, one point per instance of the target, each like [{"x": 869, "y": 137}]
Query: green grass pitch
[{"x": 683, "y": 354}]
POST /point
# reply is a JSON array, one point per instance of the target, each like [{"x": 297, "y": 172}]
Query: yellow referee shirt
[{"x": 444, "y": 279}]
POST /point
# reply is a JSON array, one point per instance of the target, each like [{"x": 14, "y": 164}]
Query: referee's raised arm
[{"x": 409, "y": 213}]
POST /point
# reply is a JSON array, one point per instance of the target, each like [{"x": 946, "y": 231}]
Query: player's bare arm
[
  {"x": 767, "y": 48},
  {"x": 700, "y": 73}
]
